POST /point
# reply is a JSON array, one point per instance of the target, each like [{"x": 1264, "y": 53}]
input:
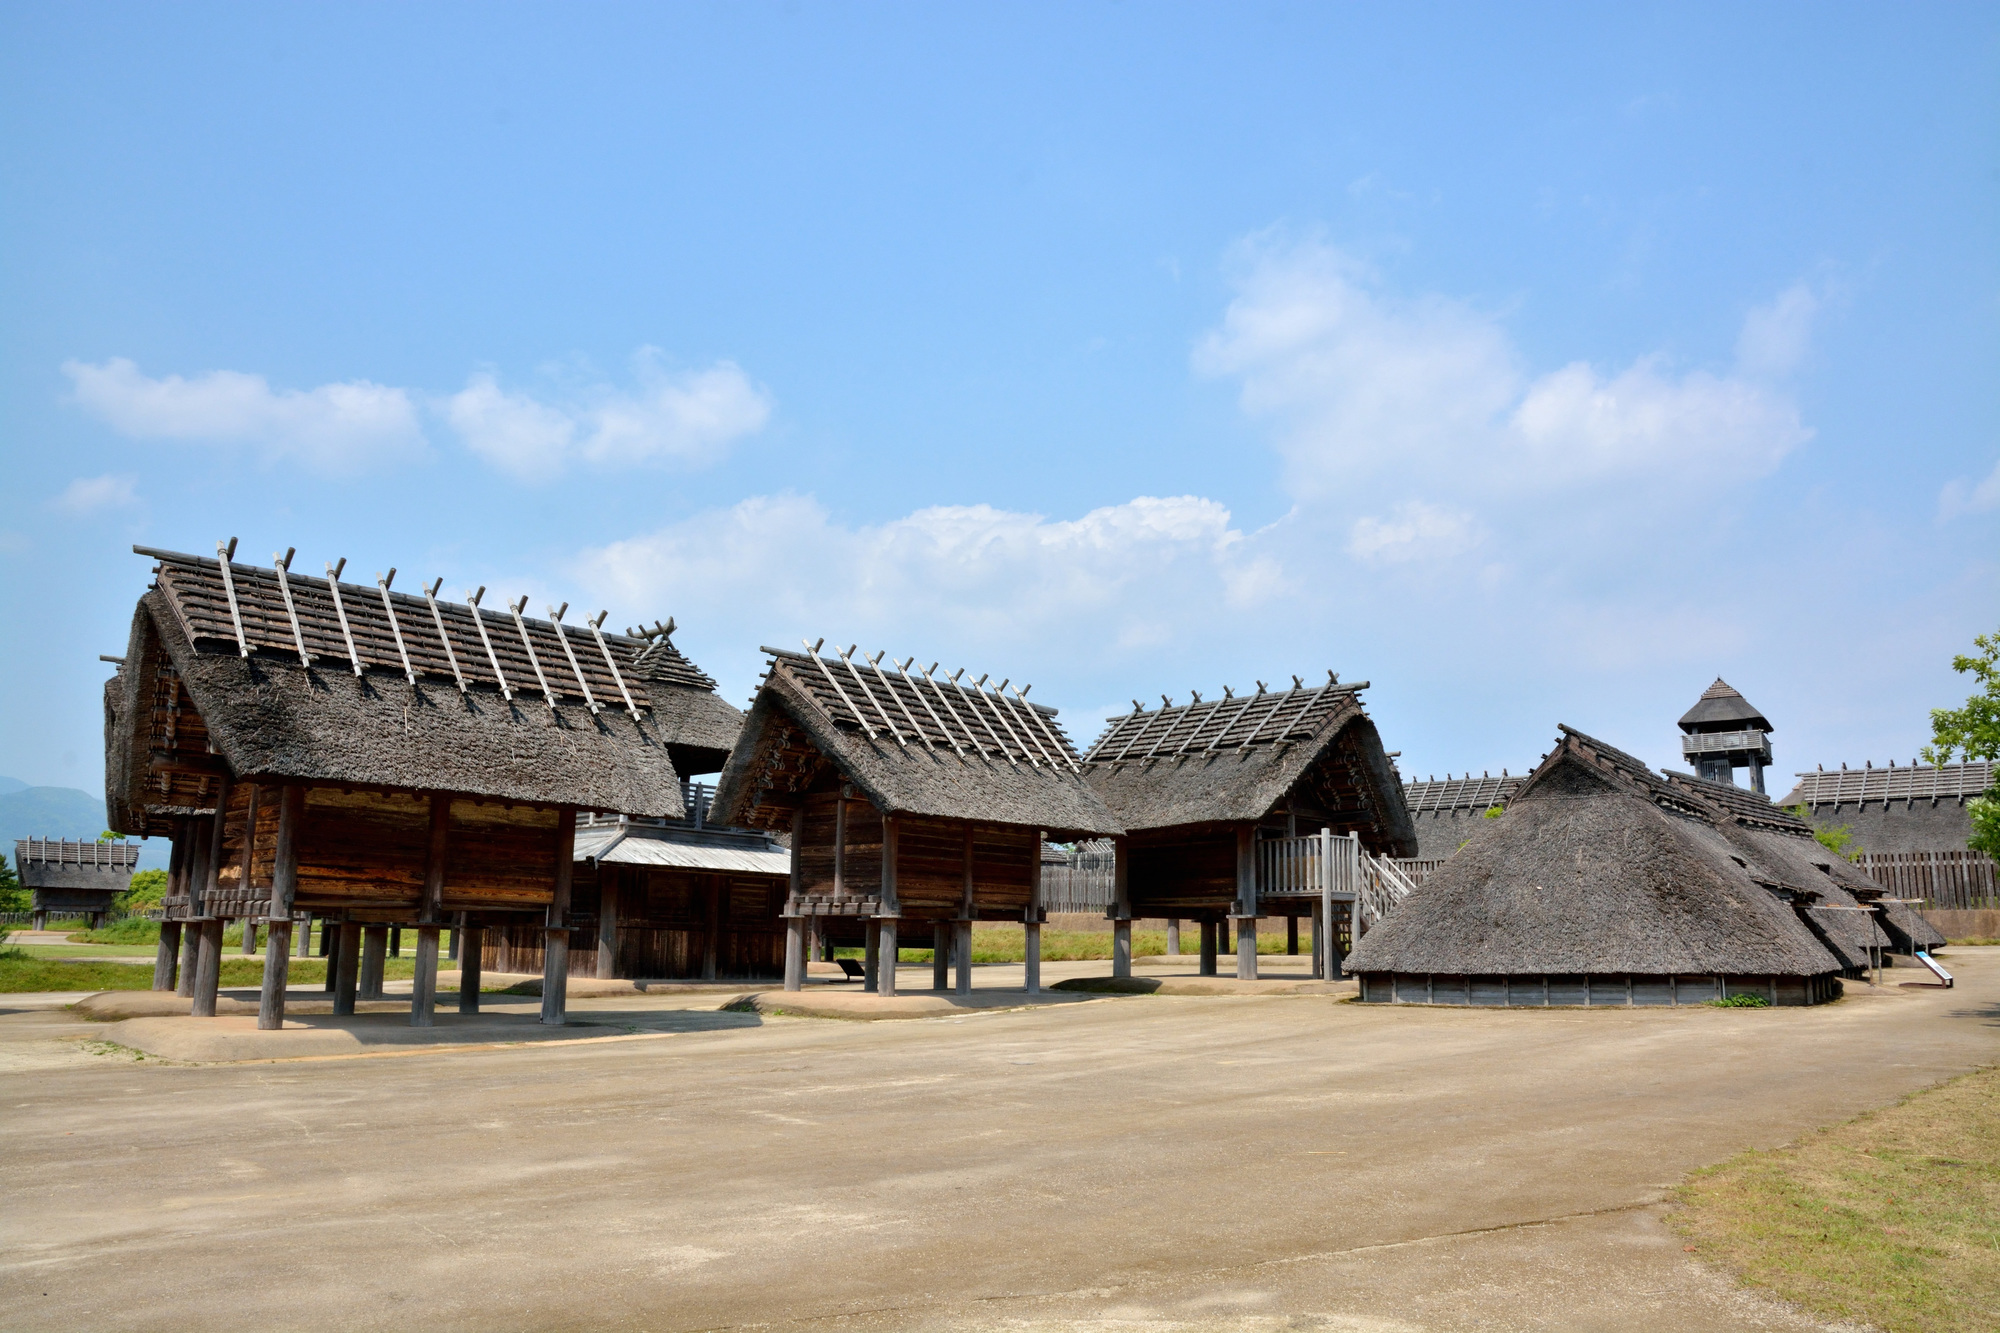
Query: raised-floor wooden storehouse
[
  {"x": 1607, "y": 883},
  {"x": 380, "y": 758},
  {"x": 666, "y": 899},
  {"x": 1216, "y": 796},
  {"x": 911, "y": 800},
  {"x": 1446, "y": 811},
  {"x": 73, "y": 878}
]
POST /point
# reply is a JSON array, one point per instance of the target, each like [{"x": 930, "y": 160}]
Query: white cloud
[
  {"x": 1962, "y": 497},
  {"x": 1429, "y": 393},
  {"x": 690, "y": 418},
  {"x": 1775, "y": 336},
  {"x": 333, "y": 428},
  {"x": 1416, "y": 531},
  {"x": 970, "y": 579},
  {"x": 91, "y": 495}
]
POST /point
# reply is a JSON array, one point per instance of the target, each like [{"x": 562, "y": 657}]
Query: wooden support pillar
[
  {"x": 1031, "y": 925},
  {"x": 961, "y": 955},
  {"x": 190, "y": 951},
  {"x": 1292, "y": 936},
  {"x": 305, "y": 936},
  {"x": 374, "y": 956},
  {"x": 423, "y": 990},
  {"x": 471, "y": 951},
  {"x": 1246, "y": 903},
  {"x": 329, "y": 949},
  {"x": 940, "y": 955},
  {"x": 1173, "y": 937},
  {"x": 795, "y": 953},
  {"x": 885, "y": 948},
  {"x": 249, "y": 934},
  {"x": 610, "y": 882},
  {"x": 871, "y": 956},
  {"x": 346, "y": 967},
  {"x": 248, "y": 862},
  {"x": 711, "y": 944},
  {"x": 457, "y": 938},
  {"x": 430, "y": 914},
  {"x": 887, "y": 945},
  {"x": 284, "y": 888},
  {"x": 207, "y": 967},
  {"x": 199, "y": 836},
  {"x": 1208, "y": 934},
  {"x": 395, "y": 941},
  {"x": 1121, "y": 908},
  {"x": 555, "y": 929},
  {"x": 1318, "y": 940},
  {"x": 167, "y": 957},
  {"x": 40, "y": 920}
]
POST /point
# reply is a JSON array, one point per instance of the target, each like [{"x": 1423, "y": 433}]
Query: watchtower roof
[{"x": 1721, "y": 708}]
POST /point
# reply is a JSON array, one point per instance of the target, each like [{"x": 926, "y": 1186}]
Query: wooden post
[
  {"x": 795, "y": 952},
  {"x": 249, "y": 863},
  {"x": 886, "y": 951},
  {"x": 1174, "y": 936},
  {"x": 1319, "y": 940},
  {"x": 961, "y": 951},
  {"x": 329, "y": 949},
  {"x": 555, "y": 928},
  {"x": 887, "y": 946},
  {"x": 284, "y": 888},
  {"x": 711, "y": 945},
  {"x": 471, "y": 951},
  {"x": 190, "y": 952},
  {"x": 840, "y": 841},
  {"x": 610, "y": 881},
  {"x": 305, "y": 936},
  {"x": 1208, "y": 933},
  {"x": 871, "y": 956},
  {"x": 208, "y": 967},
  {"x": 940, "y": 955},
  {"x": 1031, "y": 926},
  {"x": 374, "y": 952},
  {"x": 961, "y": 929},
  {"x": 197, "y": 874},
  {"x": 423, "y": 993},
  {"x": 1292, "y": 935},
  {"x": 1121, "y": 908},
  {"x": 430, "y": 912},
  {"x": 346, "y": 967},
  {"x": 1246, "y": 903},
  {"x": 167, "y": 957},
  {"x": 1323, "y": 927},
  {"x": 457, "y": 938},
  {"x": 395, "y": 941}
]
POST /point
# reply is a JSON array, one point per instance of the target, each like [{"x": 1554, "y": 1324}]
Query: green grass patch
[
  {"x": 22, "y": 971},
  {"x": 997, "y": 942},
  {"x": 1892, "y": 1219},
  {"x": 1745, "y": 1001}
]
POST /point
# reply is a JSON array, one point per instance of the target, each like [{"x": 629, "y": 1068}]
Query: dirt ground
[{"x": 1133, "y": 1162}]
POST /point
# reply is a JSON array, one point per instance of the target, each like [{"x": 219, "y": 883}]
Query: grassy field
[
  {"x": 1892, "y": 1219},
  {"x": 21, "y": 971},
  {"x": 995, "y": 942}
]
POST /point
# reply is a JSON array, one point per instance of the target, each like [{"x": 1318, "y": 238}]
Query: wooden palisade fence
[{"x": 1946, "y": 881}]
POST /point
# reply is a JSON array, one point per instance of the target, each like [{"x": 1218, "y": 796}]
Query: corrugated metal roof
[{"x": 621, "y": 846}]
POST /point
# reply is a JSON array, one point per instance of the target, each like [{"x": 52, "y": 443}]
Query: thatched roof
[
  {"x": 1721, "y": 708},
  {"x": 911, "y": 742},
  {"x": 1857, "y": 787},
  {"x": 1461, "y": 793},
  {"x": 51, "y": 863},
  {"x": 1601, "y": 866},
  {"x": 266, "y": 674},
  {"x": 1234, "y": 759}
]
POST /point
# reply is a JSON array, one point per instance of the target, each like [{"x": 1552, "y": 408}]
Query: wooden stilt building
[
  {"x": 911, "y": 800},
  {"x": 380, "y": 759},
  {"x": 1221, "y": 797},
  {"x": 66, "y": 878},
  {"x": 1607, "y": 883}
]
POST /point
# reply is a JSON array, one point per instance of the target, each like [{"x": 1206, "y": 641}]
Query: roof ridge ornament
[
  {"x": 576, "y": 668},
  {"x": 395, "y": 628},
  {"x": 529, "y": 644},
  {"x": 340, "y": 610},
  {"x": 492, "y": 658},
  {"x": 224, "y": 553},
  {"x": 283, "y": 564}
]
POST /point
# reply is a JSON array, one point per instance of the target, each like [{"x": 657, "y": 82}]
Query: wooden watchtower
[
  {"x": 907, "y": 797},
  {"x": 1215, "y": 793},
  {"x": 380, "y": 758}
]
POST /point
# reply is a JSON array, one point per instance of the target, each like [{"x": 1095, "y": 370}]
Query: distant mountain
[
  {"x": 61, "y": 812},
  {"x": 11, "y": 784}
]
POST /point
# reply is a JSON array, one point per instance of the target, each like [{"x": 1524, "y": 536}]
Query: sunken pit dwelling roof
[
  {"x": 1930, "y": 783},
  {"x": 266, "y": 673},
  {"x": 913, "y": 742},
  {"x": 1233, "y": 759},
  {"x": 1601, "y": 866}
]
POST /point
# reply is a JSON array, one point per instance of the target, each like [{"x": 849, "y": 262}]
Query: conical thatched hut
[
  {"x": 1606, "y": 883},
  {"x": 906, "y": 797},
  {"x": 375, "y": 757},
  {"x": 1203, "y": 789}
]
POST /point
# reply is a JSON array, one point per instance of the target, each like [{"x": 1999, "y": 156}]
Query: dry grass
[{"x": 1892, "y": 1219}]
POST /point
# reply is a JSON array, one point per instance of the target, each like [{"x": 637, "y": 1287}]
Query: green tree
[
  {"x": 13, "y": 898},
  {"x": 1973, "y": 732},
  {"x": 147, "y": 889},
  {"x": 1838, "y": 839}
]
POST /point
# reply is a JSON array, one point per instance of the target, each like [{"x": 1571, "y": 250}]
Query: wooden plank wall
[{"x": 1183, "y": 872}]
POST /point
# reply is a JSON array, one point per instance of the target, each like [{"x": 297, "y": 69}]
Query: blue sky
[{"x": 1535, "y": 364}]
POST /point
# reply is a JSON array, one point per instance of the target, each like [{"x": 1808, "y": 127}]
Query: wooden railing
[{"x": 1949, "y": 881}]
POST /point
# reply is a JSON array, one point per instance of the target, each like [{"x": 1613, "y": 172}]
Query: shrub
[{"x": 1739, "y": 1002}]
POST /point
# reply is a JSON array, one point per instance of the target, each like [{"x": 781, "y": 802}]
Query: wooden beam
[
  {"x": 345, "y": 967},
  {"x": 610, "y": 882},
  {"x": 207, "y": 966},
  {"x": 471, "y": 950}
]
